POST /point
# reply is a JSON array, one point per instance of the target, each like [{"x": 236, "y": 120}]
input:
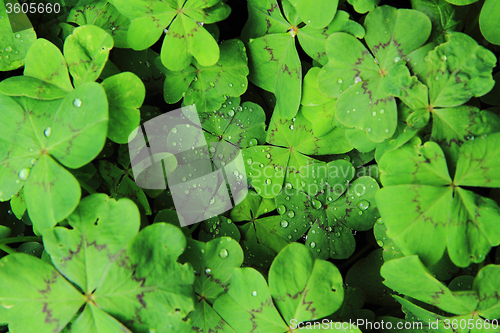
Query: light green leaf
[
  {"x": 454, "y": 76},
  {"x": 16, "y": 37},
  {"x": 86, "y": 51},
  {"x": 316, "y": 14},
  {"x": 103, "y": 14},
  {"x": 478, "y": 162},
  {"x": 275, "y": 66},
  {"x": 393, "y": 33},
  {"x": 411, "y": 211},
  {"x": 146, "y": 282},
  {"x": 47, "y": 301},
  {"x": 205, "y": 319},
  {"x": 94, "y": 320},
  {"x": 241, "y": 125},
  {"x": 183, "y": 23},
  {"x": 98, "y": 233},
  {"x": 264, "y": 17},
  {"x": 316, "y": 290},
  {"x": 487, "y": 284},
  {"x": 398, "y": 274},
  {"x": 461, "y": 2},
  {"x": 415, "y": 164},
  {"x": 125, "y": 93},
  {"x": 472, "y": 227},
  {"x": 313, "y": 41},
  {"x": 72, "y": 130},
  {"x": 490, "y": 27},
  {"x": 248, "y": 304},
  {"x": 213, "y": 263},
  {"x": 208, "y": 87},
  {"x": 451, "y": 127},
  {"x": 363, "y": 6},
  {"x": 54, "y": 71},
  {"x": 443, "y": 15},
  {"x": 46, "y": 81},
  {"x": 349, "y": 63}
]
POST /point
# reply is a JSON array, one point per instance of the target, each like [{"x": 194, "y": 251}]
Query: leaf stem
[
  {"x": 20, "y": 240},
  {"x": 192, "y": 229},
  {"x": 86, "y": 187},
  {"x": 7, "y": 249}
]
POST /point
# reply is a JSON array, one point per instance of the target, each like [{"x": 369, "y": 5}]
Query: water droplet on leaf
[
  {"x": 223, "y": 253},
  {"x": 24, "y": 173}
]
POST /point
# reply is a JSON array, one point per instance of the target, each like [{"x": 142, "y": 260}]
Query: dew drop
[
  {"x": 316, "y": 204},
  {"x": 77, "y": 102},
  {"x": 289, "y": 236},
  {"x": 230, "y": 85},
  {"x": 339, "y": 81},
  {"x": 24, "y": 173},
  {"x": 284, "y": 224},
  {"x": 374, "y": 113},
  {"x": 443, "y": 57},
  {"x": 330, "y": 199},
  {"x": 288, "y": 186},
  {"x": 368, "y": 129},
  {"x": 281, "y": 209},
  {"x": 252, "y": 142},
  {"x": 223, "y": 253},
  {"x": 231, "y": 113},
  {"x": 17, "y": 35},
  {"x": 436, "y": 78},
  {"x": 397, "y": 59},
  {"x": 380, "y": 243},
  {"x": 254, "y": 293},
  {"x": 8, "y": 49},
  {"x": 47, "y": 132},
  {"x": 313, "y": 245},
  {"x": 268, "y": 155},
  {"x": 208, "y": 271},
  {"x": 375, "y": 60},
  {"x": 363, "y": 205},
  {"x": 291, "y": 214},
  {"x": 386, "y": 130},
  {"x": 268, "y": 181},
  {"x": 212, "y": 84},
  {"x": 174, "y": 130},
  {"x": 291, "y": 127},
  {"x": 379, "y": 221},
  {"x": 382, "y": 111},
  {"x": 357, "y": 79}
]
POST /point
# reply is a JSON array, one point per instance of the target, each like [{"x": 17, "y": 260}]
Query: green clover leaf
[
  {"x": 103, "y": 14},
  {"x": 208, "y": 87},
  {"x": 16, "y": 37},
  {"x": 432, "y": 212},
  {"x": 121, "y": 274},
  {"x": 183, "y": 24},
  {"x": 251, "y": 303},
  {"x": 362, "y": 102}
]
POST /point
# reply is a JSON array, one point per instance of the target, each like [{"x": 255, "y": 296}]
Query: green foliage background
[{"x": 370, "y": 134}]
